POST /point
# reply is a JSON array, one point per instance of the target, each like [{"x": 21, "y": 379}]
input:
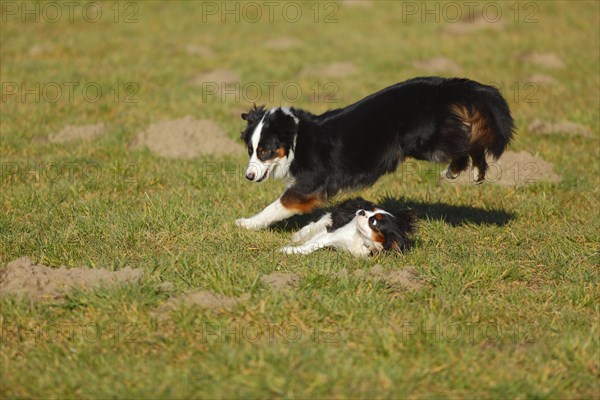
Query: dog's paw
[
  {"x": 288, "y": 250},
  {"x": 248, "y": 223},
  {"x": 478, "y": 178},
  {"x": 448, "y": 174}
]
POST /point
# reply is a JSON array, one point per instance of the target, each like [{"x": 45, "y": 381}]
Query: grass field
[{"x": 509, "y": 303}]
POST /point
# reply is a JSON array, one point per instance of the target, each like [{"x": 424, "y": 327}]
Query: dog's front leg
[
  {"x": 313, "y": 229},
  {"x": 274, "y": 212},
  {"x": 316, "y": 243},
  {"x": 290, "y": 203}
]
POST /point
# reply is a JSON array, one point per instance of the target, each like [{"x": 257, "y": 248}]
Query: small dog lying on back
[{"x": 358, "y": 226}]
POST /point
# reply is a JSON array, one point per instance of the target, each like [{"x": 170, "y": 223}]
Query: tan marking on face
[
  {"x": 377, "y": 237},
  {"x": 281, "y": 152}
]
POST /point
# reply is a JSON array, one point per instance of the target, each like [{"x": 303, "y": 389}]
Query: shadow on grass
[{"x": 451, "y": 214}]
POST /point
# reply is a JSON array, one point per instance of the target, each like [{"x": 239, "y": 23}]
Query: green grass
[{"x": 510, "y": 307}]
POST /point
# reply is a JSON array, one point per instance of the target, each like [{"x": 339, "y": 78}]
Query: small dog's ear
[
  {"x": 406, "y": 220},
  {"x": 244, "y": 116},
  {"x": 396, "y": 241}
]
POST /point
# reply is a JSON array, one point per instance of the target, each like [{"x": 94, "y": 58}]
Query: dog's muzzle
[{"x": 256, "y": 172}]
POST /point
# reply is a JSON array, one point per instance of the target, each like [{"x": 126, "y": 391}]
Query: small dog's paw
[
  {"x": 247, "y": 223},
  {"x": 288, "y": 250}
]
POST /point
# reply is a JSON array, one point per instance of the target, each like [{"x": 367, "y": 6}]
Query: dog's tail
[{"x": 483, "y": 108}]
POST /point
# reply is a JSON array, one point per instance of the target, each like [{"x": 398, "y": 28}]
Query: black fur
[
  {"x": 346, "y": 211},
  {"x": 351, "y": 147}
]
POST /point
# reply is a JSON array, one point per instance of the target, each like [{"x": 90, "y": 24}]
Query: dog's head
[
  {"x": 384, "y": 230},
  {"x": 270, "y": 139}
]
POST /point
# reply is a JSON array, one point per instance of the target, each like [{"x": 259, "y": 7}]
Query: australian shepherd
[{"x": 456, "y": 121}]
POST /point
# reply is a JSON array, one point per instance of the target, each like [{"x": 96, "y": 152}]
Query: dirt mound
[
  {"x": 185, "y": 138},
  {"x": 39, "y": 49},
  {"x": 282, "y": 43},
  {"x": 438, "y": 64},
  {"x": 404, "y": 279},
  {"x": 514, "y": 169},
  {"x": 471, "y": 24},
  {"x": 547, "y": 60},
  {"x": 542, "y": 79},
  {"x": 202, "y": 298},
  {"x": 218, "y": 76},
  {"x": 73, "y": 132},
  {"x": 281, "y": 280},
  {"x": 357, "y": 3},
  {"x": 199, "y": 50},
  {"x": 22, "y": 277},
  {"x": 199, "y": 298},
  {"x": 562, "y": 128},
  {"x": 335, "y": 70}
]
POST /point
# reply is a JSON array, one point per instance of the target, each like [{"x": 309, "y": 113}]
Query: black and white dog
[
  {"x": 357, "y": 226},
  {"x": 430, "y": 118}
]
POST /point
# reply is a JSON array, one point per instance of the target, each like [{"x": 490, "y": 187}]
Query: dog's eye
[
  {"x": 264, "y": 153},
  {"x": 373, "y": 222},
  {"x": 249, "y": 150}
]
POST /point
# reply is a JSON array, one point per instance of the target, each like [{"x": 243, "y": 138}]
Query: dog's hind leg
[
  {"x": 314, "y": 228},
  {"x": 455, "y": 167},
  {"x": 479, "y": 164}
]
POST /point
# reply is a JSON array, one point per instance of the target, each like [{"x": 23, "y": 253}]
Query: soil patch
[
  {"x": 281, "y": 280},
  {"x": 357, "y": 3},
  {"x": 186, "y": 138},
  {"x": 73, "y": 132},
  {"x": 547, "y": 60},
  {"x": 39, "y": 49},
  {"x": 403, "y": 279},
  {"x": 514, "y": 169},
  {"x": 282, "y": 43},
  {"x": 438, "y": 64},
  {"x": 542, "y": 79},
  {"x": 199, "y": 50},
  {"x": 335, "y": 70},
  {"x": 199, "y": 298},
  {"x": 23, "y": 277},
  {"x": 202, "y": 298},
  {"x": 562, "y": 128}
]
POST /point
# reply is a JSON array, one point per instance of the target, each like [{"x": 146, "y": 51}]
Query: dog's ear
[
  {"x": 406, "y": 220},
  {"x": 255, "y": 114},
  {"x": 398, "y": 239}
]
